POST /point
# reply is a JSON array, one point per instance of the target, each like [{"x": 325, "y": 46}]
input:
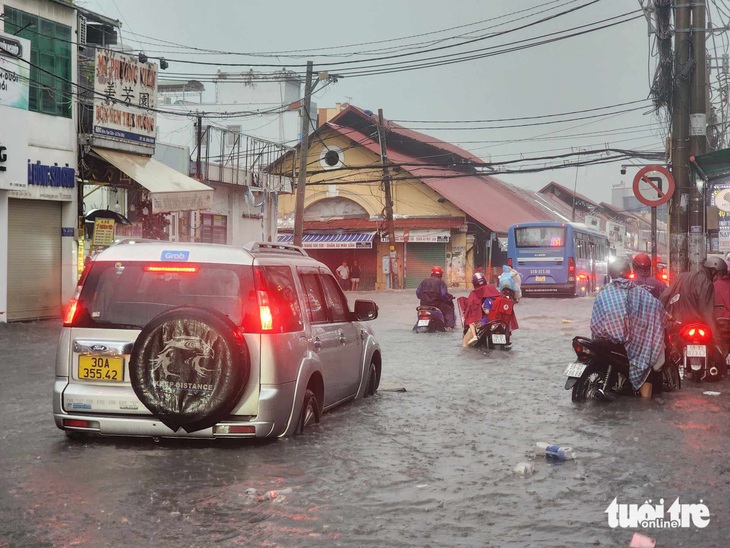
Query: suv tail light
[
  {"x": 266, "y": 319},
  {"x": 71, "y": 313}
]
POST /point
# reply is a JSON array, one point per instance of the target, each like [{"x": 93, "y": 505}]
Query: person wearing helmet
[
  {"x": 477, "y": 307},
  {"x": 628, "y": 315},
  {"x": 433, "y": 292},
  {"x": 643, "y": 277},
  {"x": 722, "y": 308},
  {"x": 691, "y": 298},
  {"x": 696, "y": 301},
  {"x": 511, "y": 279},
  {"x": 722, "y": 296}
]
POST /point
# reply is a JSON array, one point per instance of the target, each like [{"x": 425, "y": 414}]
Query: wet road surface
[{"x": 432, "y": 466}]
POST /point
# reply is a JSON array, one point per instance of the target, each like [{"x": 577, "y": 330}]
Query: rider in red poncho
[{"x": 474, "y": 311}]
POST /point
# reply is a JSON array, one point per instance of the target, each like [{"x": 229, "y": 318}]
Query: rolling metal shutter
[
  {"x": 34, "y": 259},
  {"x": 420, "y": 259}
]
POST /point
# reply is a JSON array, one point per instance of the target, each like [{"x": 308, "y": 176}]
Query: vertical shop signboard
[
  {"x": 103, "y": 232},
  {"x": 721, "y": 200}
]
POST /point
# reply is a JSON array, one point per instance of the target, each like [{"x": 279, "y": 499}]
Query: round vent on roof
[{"x": 331, "y": 157}]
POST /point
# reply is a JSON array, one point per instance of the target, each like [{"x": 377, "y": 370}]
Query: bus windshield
[{"x": 540, "y": 236}]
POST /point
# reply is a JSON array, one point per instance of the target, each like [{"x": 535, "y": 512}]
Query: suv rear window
[{"x": 124, "y": 295}]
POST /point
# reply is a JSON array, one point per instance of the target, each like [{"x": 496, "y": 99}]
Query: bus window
[{"x": 543, "y": 236}]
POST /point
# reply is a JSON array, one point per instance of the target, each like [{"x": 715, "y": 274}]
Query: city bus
[{"x": 562, "y": 259}]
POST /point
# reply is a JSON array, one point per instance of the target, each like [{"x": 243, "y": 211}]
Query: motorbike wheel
[
  {"x": 671, "y": 379},
  {"x": 587, "y": 386}
]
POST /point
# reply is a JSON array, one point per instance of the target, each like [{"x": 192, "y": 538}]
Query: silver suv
[{"x": 209, "y": 341}]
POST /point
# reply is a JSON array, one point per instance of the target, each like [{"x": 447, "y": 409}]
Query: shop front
[
  {"x": 37, "y": 243},
  {"x": 160, "y": 202},
  {"x": 334, "y": 248},
  {"x": 422, "y": 249}
]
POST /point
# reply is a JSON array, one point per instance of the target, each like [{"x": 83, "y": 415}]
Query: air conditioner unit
[{"x": 81, "y": 32}]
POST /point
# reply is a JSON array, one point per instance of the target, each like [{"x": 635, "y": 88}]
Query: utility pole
[
  {"x": 678, "y": 219},
  {"x": 199, "y": 141},
  {"x": 388, "y": 202},
  {"x": 303, "y": 153},
  {"x": 698, "y": 133}
]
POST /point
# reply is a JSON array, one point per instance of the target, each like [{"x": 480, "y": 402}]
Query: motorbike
[
  {"x": 601, "y": 372},
  {"x": 494, "y": 334},
  {"x": 693, "y": 347},
  {"x": 430, "y": 320}
]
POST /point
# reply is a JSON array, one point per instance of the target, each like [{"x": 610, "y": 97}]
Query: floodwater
[{"x": 436, "y": 465}]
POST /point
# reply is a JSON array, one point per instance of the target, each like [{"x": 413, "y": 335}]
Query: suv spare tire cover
[{"x": 189, "y": 367}]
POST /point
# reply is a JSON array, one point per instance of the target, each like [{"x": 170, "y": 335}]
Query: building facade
[
  {"x": 447, "y": 212},
  {"x": 38, "y": 159}
]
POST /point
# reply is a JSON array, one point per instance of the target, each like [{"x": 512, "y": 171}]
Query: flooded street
[{"x": 433, "y": 466}]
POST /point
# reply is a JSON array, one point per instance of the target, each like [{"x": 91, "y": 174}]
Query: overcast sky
[{"x": 598, "y": 69}]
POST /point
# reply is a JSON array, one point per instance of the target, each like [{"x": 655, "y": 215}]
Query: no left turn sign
[{"x": 653, "y": 185}]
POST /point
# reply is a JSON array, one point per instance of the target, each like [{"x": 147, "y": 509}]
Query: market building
[{"x": 448, "y": 211}]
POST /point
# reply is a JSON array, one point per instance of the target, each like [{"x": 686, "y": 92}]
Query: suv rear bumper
[{"x": 271, "y": 421}]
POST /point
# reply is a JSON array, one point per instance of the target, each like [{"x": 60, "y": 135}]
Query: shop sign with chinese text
[{"x": 124, "y": 92}]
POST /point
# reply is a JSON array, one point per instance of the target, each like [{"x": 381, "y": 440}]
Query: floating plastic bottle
[{"x": 552, "y": 451}]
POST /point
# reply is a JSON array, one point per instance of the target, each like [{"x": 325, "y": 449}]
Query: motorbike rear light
[
  {"x": 696, "y": 333},
  {"x": 172, "y": 268},
  {"x": 632, "y": 276},
  {"x": 571, "y": 265},
  {"x": 509, "y": 262},
  {"x": 581, "y": 350}
]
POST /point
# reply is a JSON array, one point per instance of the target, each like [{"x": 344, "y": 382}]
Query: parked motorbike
[
  {"x": 430, "y": 320},
  {"x": 602, "y": 372}
]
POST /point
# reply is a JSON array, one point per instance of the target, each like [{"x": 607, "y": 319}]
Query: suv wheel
[
  {"x": 189, "y": 367},
  {"x": 372, "y": 385},
  {"x": 310, "y": 412}
]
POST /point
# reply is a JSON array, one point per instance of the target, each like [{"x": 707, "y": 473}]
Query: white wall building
[
  {"x": 38, "y": 151},
  {"x": 247, "y": 121},
  {"x": 261, "y": 105}
]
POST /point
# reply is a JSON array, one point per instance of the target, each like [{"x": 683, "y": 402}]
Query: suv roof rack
[
  {"x": 274, "y": 247},
  {"x": 132, "y": 240}
]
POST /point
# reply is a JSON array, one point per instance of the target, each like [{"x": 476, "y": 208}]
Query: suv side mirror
[{"x": 366, "y": 310}]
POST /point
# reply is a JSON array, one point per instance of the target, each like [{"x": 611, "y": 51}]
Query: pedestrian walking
[
  {"x": 343, "y": 275},
  {"x": 355, "y": 276}
]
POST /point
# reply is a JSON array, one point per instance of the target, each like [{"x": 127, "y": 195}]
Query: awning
[
  {"x": 415, "y": 236},
  {"x": 713, "y": 166},
  {"x": 170, "y": 190},
  {"x": 346, "y": 240}
]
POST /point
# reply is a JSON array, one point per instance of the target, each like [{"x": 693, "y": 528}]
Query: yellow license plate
[
  {"x": 101, "y": 368},
  {"x": 539, "y": 278}
]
